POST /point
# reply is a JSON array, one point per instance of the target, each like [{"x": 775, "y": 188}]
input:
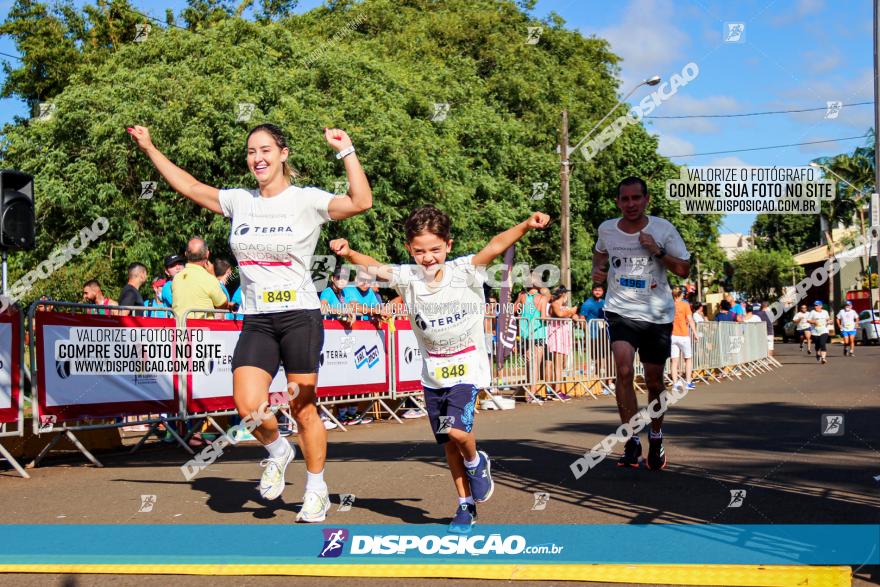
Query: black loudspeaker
[{"x": 17, "y": 229}]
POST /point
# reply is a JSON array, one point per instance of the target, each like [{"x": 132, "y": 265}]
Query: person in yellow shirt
[{"x": 195, "y": 287}]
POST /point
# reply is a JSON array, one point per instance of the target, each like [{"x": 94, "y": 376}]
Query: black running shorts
[
  {"x": 653, "y": 341},
  {"x": 293, "y": 338}
]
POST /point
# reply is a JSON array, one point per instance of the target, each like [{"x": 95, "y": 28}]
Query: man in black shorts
[{"x": 633, "y": 253}]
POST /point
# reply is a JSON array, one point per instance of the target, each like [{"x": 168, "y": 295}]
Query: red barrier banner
[
  {"x": 106, "y": 366},
  {"x": 10, "y": 366},
  {"x": 408, "y": 358}
]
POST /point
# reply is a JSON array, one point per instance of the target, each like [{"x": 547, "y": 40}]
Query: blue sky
[{"x": 796, "y": 54}]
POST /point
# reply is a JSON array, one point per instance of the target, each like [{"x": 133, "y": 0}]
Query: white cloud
[
  {"x": 802, "y": 9},
  {"x": 728, "y": 161},
  {"x": 673, "y": 145},
  {"x": 648, "y": 39},
  {"x": 818, "y": 63}
]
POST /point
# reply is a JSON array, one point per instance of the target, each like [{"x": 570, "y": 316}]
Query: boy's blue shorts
[{"x": 450, "y": 407}]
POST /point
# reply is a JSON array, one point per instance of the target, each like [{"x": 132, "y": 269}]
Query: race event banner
[
  {"x": 408, "y": 360},
  {"x": 99, "y": 366},
  {"x": 10, "y": 363}
]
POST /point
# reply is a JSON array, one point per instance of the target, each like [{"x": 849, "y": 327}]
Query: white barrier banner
[
  {"x": 409, "y": 357},
  {"x": 352, "y": 359},
  {"x": 5, "y": 365},
  {"x": 85, "y": 363}
]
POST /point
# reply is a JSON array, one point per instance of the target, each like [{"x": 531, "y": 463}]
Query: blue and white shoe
[
  {"x": 691, "y": 385},
  {"x": 480, "y": 478},
  {"x": 464, "y": 519}
]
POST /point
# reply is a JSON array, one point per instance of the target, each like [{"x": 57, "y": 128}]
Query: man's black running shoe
[
  {"x": 632, "y": 452},
  {"x": 656, "y": 454}
]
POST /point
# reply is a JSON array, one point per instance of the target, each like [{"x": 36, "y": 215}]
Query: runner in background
[
  {"x": 802, "y": 323},
  {"x": 634, "y": 253},
  {"x": 446, "y": 302},
  {"x": 273, "y": 229},
  {"x": 847, "y": 319},
  {"x": 682, "y": 325},
  {"x": 820, "y": 321}
]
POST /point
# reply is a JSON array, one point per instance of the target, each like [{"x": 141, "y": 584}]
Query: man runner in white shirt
[
  {"x": 634, "y": 254},
  {"x": 802, "y": 324},
  {"x": 847, "y": 319}
]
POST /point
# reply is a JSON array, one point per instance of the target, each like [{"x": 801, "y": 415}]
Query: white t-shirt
[
  {"x": 753, "y": 318},
  {"x": 800, "y": 320},
  {"x": 848, "y": 319},
  {"x": 274, "y": 240},
  {"x": 637, "y": 284},
  {"x": 821, "y": 317},
  {"x": 447, "y": 321},
  {"x": 698, "y": 318}
]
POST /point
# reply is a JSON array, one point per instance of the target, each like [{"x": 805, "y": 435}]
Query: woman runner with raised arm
[{"x": 274, "y": 231}]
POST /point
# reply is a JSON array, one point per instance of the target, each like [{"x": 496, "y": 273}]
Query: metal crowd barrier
[
  {"x": 552, "y": 358},
  {"x": 6, "y": 429}
]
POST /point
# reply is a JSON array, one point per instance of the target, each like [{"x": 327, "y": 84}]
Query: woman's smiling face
[{"x": 264, "y": 158}]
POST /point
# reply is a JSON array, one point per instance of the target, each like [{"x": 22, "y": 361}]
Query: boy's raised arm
[{"x": 503, "y": 241}]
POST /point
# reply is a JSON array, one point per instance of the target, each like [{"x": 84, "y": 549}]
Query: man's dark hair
[
  {"x": 221, "y": 266},
  {"x": 92, "y": 283},
  {"x": 696, "y": 306},
  {"x": 633, "y": 180},
  {"x": 427, "y": 219},
  {"x": 134, "y": 268},
  {"x": 725, "y": 305}
]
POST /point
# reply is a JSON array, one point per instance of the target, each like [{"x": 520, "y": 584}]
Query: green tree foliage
[
  {"x": 790, "y": 232},
  {"x": 375, "y": 69},
  {"x": 762, "y": 274}
]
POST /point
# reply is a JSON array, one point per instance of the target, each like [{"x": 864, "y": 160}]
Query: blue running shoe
[
  {"x": 691, "y": 385},
  {"x": 480, "y": 478},
  {"x": 464, "y": 519}
]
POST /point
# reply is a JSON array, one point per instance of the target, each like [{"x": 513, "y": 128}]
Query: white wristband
[{"x": 345, "y": 152}]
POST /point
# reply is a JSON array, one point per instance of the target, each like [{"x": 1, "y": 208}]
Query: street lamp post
[{"x": 565, "y": 173}]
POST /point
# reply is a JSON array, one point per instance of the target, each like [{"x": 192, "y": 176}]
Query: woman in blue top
[{"x": 531, "y": 305}]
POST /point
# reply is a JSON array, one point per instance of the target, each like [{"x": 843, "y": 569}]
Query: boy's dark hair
[
  {"x": 427, "y": 219},
  {"x": 633, "y": 180},
  {"x": 725, "y": 305}
]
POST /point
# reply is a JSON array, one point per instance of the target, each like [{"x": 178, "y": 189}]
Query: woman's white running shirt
[
  {"x": 273, "y": 240},
  {"x": 447, "y": 321}
]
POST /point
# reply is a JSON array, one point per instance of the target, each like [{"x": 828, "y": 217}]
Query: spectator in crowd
[
  {"x": 735, "y": 308},
  {"x": 698, "y": 311},
  {"x": 333, "y": 304},
  {"x": 130, "y": 294},
  {"x": 173, "y": 265},
  {"x": 223, "y": 271},
  {"x": 763, "y": 312},
  {"x": 724, "y": 314},
  {"x": 682, "y": 326},
  {"x": 531, "y": 306},
  {"x": 594, "y": 307},
  {"x": 749, "y": 315},
  {"x": 378, "y": 294},
  {"x": 559, "y": 335},
  {"x": 194, "y": 287},
  {"x": 156, "y": 301},
  {"x": 362, "y": 298},
  {"x": 92, "y": 294}
]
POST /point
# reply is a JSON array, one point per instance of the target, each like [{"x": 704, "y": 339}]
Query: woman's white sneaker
[
  {"x": 315, "y": 506},
  {"x": 272, "y": 481}
]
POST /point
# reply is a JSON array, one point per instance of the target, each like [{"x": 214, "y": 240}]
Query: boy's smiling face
[{"x": 429, "y": 251}]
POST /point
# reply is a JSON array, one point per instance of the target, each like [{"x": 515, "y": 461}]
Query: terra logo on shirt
[{"x": 244, "y": 229}]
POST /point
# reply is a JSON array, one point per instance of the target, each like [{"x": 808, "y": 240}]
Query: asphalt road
[{"x": 762, "y": 435}]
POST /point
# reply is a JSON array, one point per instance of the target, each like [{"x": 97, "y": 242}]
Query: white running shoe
[
  {"x": 328, "y": 423},
  {"x": 413, "y": 414},
  {"x": 272, "y": 481},
  {"x": 315, "y": 506}
]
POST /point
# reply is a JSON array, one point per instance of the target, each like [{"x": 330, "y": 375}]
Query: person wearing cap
[
  {"x": 801, "y": 320},
  {"x": 174, "y": 264},
  {"x": 821, "y": 322},
  {"x": 156, "y": 301},
  {"x": 846, "y": 322}
]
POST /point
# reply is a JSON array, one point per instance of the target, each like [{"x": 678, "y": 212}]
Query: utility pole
[{"x": 565, "y": 208}]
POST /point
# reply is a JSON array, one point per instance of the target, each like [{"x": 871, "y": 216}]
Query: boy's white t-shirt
[
  {"x": 273, "y": 240},
  {"x": 821, "y": 317},
  {"x": 848, "y": 319},
  {"x": 803, "y": 317},
  {"x": 447, "y": 321},
  {"x": 637, "y": 285}
]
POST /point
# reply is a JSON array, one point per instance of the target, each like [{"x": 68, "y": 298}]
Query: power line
[
  {"x": 765, "y": 148},
  {"x": 758, "y": 113},
  {"x": 8, "y": 55}
]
